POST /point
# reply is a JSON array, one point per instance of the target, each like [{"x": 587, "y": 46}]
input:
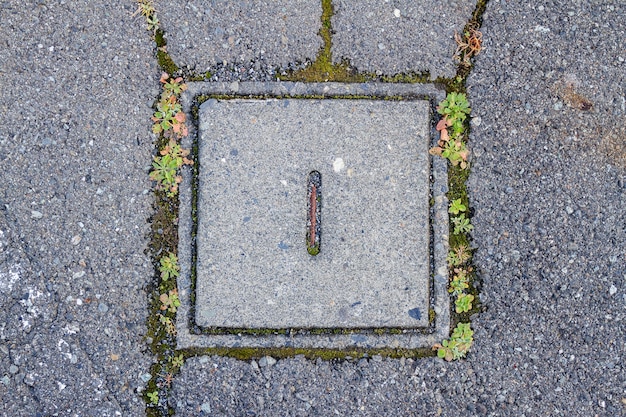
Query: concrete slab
[
  {"x": 269, "y": 34},
  {"x": 252, "y": 268},
  {"x": 399, "y": 36}
]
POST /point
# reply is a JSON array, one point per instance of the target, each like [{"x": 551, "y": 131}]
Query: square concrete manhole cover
[{"x": 312, "y": 218}]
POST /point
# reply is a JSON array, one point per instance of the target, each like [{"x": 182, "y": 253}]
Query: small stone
[
  {"x": 78, "y": 274},
  {"x": 205, "y": 407},
  {"x": 13, "y": 369},
  {"x": 338, "y": 165},
  {"x": 377, "y": 358},
  {"x": 145, "y": 377},
  {"x": 301, "y": 397},
  {"x": 115, "y": 356},
  {"x": 36, "y": 214},
  {"x": 396, "y": 13},
  {"x": 254, "y": 365},
  {"x": 569, "y": 210},
  {"x": 613, "y": 289},
  {"x": 558, "y": 105},
  {"x": 381, "y": 46},
  {"x": 29, "y": 380},
  {"x": 476, "y": 121},
  {"x": 5, "y": 380},
  {"x": 103, "y": 308},
  {"x": 266, "y": 361},
  {"x": 76, "y": 240}
]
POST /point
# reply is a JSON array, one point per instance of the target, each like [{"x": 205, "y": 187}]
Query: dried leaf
[
  {"x": 442, "y": 124},
  {"x": 444, "y": 135},
  {"x": 164, "y": 77},
  {"x": 435, "y": 151}
]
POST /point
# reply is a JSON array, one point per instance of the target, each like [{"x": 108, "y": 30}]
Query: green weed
[
  {"x": 170, "y": 301},
  {"x": 169, "y": 267},
  {"x": 153, "y": 397},
  {"x": 457, "y": 207},
  {"x": 463, "y": 303},
  {"x": 458, "y": 345},
  {"x": 146, "y": 9},
  {"x": 459, "y": 255},
  {"x": 166, "y": 166},
  {"x": 459, "y": 282},
  {"x": 461, "y": 224}
]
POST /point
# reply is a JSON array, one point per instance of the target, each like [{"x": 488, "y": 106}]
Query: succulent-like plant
[
  {"x": 463, "y": 303},
  {"x": 458, "y": 345}
]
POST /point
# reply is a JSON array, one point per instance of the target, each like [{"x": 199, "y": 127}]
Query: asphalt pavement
[{"x": 547, "y": 189}]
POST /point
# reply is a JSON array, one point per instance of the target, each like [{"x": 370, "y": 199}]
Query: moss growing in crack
[
  {"x": 246, "y": 354},
  {"x": 323, "y": 69},
  {"x": 166, "y": 63},
  {"x": 164, "y": 60},
  {"x": 409, "y": 78}
]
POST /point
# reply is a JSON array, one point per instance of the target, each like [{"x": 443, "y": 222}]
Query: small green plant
[
  {"x": 459, "y": 255},
  {"x": 170, "y": 301},
  {"x": 463, "y": 303},
  {"x": 456, "y": 152},
  {"x": 169, "y": 118},
  {"x": 172, "y": 85},
  {"x": 169, "y": 267},
  {"x": 177, "y": 361},
  {"x": 456, "y": 207},
  {"x": 146, "y": 9},
  {"x": 153, "y": 397},
  {"x": 454, "y": 110},
  {"x": 461, "y": 224},
  {"x": 166, "y": 165},
  {"x": 167, "y": 322},
  {"x": 459, "y": 282},
  {"x": 458, "y": 345}
]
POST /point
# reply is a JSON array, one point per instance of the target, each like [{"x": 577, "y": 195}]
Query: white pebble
[
  {"x": 613, "y": 290},
  {"x": 396, "y": 12},
  {"x": 36, "y": 214},
  {"x": 338, "y": 165}
]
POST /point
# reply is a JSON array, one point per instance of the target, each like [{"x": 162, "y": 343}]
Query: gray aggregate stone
[{"x": 403, "y": 36}]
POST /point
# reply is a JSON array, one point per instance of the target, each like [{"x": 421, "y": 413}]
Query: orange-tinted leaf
[
  {"x": 442, "y": 124},
  {"x": 435, "y": 151},
  {"x": 444, "y": 135},
  {"x": 180, "y": 116},
  {"x": 164, "y": 77}
]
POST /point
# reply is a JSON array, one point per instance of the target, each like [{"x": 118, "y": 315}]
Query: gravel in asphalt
[
  {"x": 547, "y": 189},
  {"x": 78, "y": 80}
]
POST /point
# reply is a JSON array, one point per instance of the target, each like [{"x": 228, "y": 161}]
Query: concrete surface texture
[
  {"x": 373, "y": 269},
  {"x": 548, "y": 180},
  {"x": 260, "y": 36},
  {"x": 392, "y": 37}
]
